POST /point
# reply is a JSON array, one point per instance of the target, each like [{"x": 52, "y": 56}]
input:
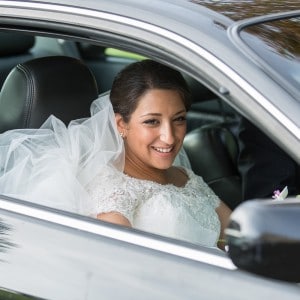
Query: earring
[{"x": 122, "y": 134}]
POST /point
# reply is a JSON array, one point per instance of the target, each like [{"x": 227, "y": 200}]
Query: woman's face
[{"x": 156, "y": 129}]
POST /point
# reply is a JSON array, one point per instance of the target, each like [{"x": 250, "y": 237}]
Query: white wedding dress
[
  {"x": 186, "y": 213},
  {"x": 79, "y": 169}
]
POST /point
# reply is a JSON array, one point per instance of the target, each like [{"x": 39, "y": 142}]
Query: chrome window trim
[
  {"x": 112, "y": 232},
  {"x": 268, "y": 106},
  {"x": 234, "y": 34}
]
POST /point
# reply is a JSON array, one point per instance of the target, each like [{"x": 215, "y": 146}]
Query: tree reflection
[
  {"x": 283, "y": 36},
  {"x": 4, "y": 237},
  {"x": 242, "y": 9}
]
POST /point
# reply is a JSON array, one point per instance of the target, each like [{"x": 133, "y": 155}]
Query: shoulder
[{"x": 115, "y": 194}]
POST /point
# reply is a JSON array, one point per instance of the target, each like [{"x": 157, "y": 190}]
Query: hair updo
[{"x": 136, "y": 79}]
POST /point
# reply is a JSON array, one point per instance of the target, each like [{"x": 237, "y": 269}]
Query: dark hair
[{"x": 138, "y": 78}]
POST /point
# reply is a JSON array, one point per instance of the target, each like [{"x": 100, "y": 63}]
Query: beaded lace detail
[{"x": 163, "y": 209}]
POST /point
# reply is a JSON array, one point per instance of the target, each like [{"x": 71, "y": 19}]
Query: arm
[
  {"x": 223, "y": 212},
  {"x": 114, "y": 217}
]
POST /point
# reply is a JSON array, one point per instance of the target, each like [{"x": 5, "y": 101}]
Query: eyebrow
[{"x": 158, "y": 114}]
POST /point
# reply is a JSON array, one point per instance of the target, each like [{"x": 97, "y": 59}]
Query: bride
[{"x": 119, "y": 164}]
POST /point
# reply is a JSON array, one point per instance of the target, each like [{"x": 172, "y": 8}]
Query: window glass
[{"x": 278, "y": 44}]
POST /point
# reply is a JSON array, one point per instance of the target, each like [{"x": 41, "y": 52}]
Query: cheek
[
  {"x": 180, "y": 132},
  {"x": 149, "y": 135},
  {"x": 141, "y": 136}
]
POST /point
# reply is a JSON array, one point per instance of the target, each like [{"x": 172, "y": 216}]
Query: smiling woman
[{"x": 150, "y": 102}]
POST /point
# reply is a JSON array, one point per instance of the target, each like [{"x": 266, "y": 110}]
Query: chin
[{"x": 163, "y": 165}]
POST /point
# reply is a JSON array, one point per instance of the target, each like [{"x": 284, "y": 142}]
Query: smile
[{"x": 163, "y": 150}]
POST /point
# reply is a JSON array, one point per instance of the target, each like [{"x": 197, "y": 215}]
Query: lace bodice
[{"x": 186, "y": 213}]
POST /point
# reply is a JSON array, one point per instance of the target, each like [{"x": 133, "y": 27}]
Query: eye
[
  {"x": 180, "y": 119},
  {"x": 151, "y": 122}
]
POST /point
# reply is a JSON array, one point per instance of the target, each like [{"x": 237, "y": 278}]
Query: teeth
[{"x": 163, "y": 150}]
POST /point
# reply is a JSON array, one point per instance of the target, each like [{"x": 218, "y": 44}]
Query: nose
[{"x": 167, "y": 133}]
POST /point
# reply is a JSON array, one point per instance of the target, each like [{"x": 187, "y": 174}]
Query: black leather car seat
[
  {"x": 213, "y": 152},
  {"x": 58, "y": 85},
  {"x": 14, "y": 49}
]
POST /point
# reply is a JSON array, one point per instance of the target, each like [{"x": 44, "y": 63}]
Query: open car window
[{"x": 212, "y": 143}]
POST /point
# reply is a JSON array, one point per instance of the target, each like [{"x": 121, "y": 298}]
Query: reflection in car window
[
  {"x": 6, "y": 294},
  {"x": 244, "y": 9},
  {"x": 279, "y": 46},
  {"x": 123, "y": 54}
]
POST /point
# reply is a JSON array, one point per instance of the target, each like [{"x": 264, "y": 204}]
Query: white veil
[{"x": 53, "y": 164}]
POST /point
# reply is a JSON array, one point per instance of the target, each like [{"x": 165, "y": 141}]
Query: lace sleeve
[{"x": 109, "y": 192}]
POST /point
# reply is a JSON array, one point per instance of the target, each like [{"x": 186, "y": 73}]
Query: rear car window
[{"x": 277, "y": 43}]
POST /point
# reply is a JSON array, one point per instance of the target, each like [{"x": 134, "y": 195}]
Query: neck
[{"x": 133, "y": 169}]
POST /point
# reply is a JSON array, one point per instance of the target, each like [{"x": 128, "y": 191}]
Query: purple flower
[
  {"x": 276, "y": 194},
  {"x": 280, "y": 195}
]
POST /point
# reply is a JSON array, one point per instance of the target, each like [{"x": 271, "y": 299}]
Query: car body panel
[{"x": 45, "y": 259}]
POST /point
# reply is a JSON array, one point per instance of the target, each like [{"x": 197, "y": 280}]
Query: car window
[
  {"x": 213, "y": 125},
  {"x": 278, "y": 45}
]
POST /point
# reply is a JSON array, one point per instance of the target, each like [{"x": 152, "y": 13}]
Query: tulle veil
[{"x": 53, "y": 164}]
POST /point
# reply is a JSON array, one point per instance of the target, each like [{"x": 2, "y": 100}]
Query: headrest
[
  {"x": 199, "y": 92},
  {"x": 12, "y": 43},
  {"x": 58, "y": 85}
]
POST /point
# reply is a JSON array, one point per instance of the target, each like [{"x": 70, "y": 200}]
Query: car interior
[{"x": 79, "y": 72}]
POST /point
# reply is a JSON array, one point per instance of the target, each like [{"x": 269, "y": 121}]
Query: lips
[{"x": 163, "y": 150}]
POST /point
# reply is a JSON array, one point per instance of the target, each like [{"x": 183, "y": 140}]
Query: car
[{"x": 241, "y": 61}]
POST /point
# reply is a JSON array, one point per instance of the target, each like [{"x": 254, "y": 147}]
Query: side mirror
[{"x": 263, "y": 237}]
